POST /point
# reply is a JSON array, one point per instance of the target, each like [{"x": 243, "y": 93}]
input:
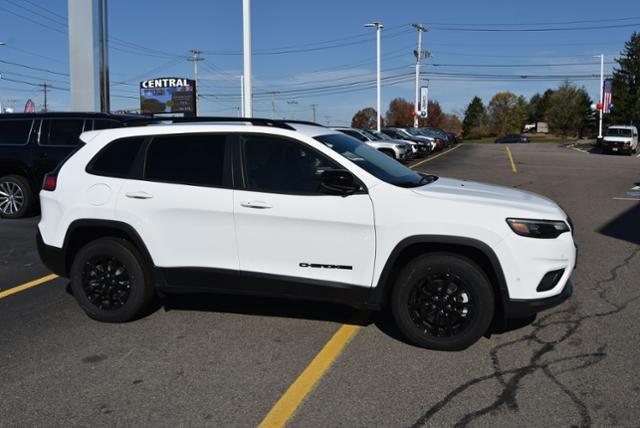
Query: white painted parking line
[
  {"x": 638, "y": 156},
  {"x": 579, "y": 150},
  {"x": 627, "y": 199}
]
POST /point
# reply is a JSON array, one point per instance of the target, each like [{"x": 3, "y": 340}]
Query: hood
[{"x": 522, "y": 203}]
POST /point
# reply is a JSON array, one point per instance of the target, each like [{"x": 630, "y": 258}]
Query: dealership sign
[
  {"x": 424, "y": 101},
  {"x": 168, "y": 95}
]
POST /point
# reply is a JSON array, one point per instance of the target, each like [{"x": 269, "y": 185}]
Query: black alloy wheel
[
  {"x": 442, "y": 301},
  {"x": 441, "y": 305},
  {"x": 106, "y": 282},
  {"x": 111, "y": 280}
]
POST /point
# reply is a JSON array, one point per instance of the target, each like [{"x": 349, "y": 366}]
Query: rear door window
[
  {"x": 61, "y": 132},
  {"x": 198, "y": 159},
  {"x": 117, "y": 158},
  {"x": 15, "y": 132}
]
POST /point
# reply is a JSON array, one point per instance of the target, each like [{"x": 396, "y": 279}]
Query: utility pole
[
  {"x": 273, "y": 105},
  {"x": 195, "y": 59},
  {"x": 601, "y": 95},
  {"x": 421, "y": 28},
  {"x": 328, "y": 119},
  {"x": 246, "y": 39},
  {"x": 45, "y": 88},
  {"x": 291, "y": 103},
  {"x": 378, "y": 26},
  {"x": 313, "y": 110}
]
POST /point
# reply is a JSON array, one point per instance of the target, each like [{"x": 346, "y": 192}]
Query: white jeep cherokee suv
[{"x": 301, "y": 211}]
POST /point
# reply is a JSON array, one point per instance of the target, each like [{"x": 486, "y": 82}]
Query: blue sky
[{"x": 330, "y": 47}]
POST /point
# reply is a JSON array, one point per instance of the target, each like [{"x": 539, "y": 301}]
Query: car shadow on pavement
[
  {"x": 265, "y": 306},
  {"x": 385, "y": 323},
  {"x": 624, "y": 227}
]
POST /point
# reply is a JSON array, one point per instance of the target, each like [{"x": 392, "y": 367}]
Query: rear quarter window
[
  {"x": 15, "y": 131},
  {"x": 117, "y": 158}
]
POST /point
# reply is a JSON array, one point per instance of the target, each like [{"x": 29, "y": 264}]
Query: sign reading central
[{"x": 168, "y": 95}]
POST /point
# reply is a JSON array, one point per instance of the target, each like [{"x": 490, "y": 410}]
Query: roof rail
[{"x": 252, "y": 120}]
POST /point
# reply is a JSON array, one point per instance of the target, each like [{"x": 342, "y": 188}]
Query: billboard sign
[
  {"x": 168, "y": 95},
  {"x": 424, "y": 100}
]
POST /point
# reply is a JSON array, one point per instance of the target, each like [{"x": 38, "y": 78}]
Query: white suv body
[{"x": 353, "y": 247}]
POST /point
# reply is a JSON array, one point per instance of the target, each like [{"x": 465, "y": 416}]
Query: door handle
[
  {"x": 139, "y": 195},
  {"x": 256, "y": 204}
]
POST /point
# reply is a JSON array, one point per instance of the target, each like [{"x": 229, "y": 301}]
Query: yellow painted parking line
[
  {"x": 30, "y": 284},
  {"x": 293, "y": 397},
  {"x": 513, "y": 164},
  {"x": 291, "y": 400},
  {"x": 434, "y": 157}
]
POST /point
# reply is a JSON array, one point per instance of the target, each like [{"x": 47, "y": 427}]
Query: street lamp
[{"x": 378, "y": 26}]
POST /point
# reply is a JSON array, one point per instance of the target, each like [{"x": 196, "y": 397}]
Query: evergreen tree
[
  {"x": 626, "y": 84},
  {"x": 474, "y": 116}
]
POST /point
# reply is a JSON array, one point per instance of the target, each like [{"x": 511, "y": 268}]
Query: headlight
[{"x": 543, "y": 229}]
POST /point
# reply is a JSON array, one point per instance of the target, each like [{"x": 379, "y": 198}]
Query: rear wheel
[
  {"x": 442, "y": 301},
  {"x": 16, "y": 197},
  {"x": 111, "y": 281}
]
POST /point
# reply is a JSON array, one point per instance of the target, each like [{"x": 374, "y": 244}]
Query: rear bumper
[
  {"x": 52, "y": 257},
  {"x": 514, "y": 308}
]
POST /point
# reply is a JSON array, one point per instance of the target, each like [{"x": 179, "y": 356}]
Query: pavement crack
[{"x": 511, "y": 380}]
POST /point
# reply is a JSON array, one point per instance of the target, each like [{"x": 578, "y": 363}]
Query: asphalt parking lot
[{"x": 220, "y": 360}]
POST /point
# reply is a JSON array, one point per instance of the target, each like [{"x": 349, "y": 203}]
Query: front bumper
[
  {"x": 514, "y": 308},
  {"x": 52, "y": 257}
]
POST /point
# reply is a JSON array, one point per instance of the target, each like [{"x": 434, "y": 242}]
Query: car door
[
  {"x": 286, "y": 226},
  {"x": 55, "y": 139},
  {"x": 182, "y": 205}
]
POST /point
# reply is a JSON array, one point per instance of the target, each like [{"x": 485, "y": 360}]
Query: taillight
[{"x": 50, "y": 182}]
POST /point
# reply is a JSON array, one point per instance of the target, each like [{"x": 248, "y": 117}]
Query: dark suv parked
[{"x": 33, "y": 144}]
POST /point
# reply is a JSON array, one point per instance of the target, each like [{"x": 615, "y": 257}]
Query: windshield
[
  {"x": 374, "y": 162},
  {"x": 381, "y": 136},
  {"x": 371, "y": 135},
  {"x": 618, "y": 132}
]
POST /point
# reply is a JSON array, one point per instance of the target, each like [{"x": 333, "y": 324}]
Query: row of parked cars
[{"x": 404, "y": 144}]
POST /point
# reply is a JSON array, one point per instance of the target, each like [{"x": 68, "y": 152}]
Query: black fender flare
[
  {"x": 125, "y": 229},
  {"x": 384, "y": 284}
]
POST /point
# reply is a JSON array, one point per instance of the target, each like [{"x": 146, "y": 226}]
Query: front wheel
[
  {"x": 16, "y": 197},
  {"x": 442, "y": 301},
  {"x": 111, "y": 281}
]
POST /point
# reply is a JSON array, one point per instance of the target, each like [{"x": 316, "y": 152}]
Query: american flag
[
  {"x": 30, "y": 107},
  {"x": 607, "y": 96}
]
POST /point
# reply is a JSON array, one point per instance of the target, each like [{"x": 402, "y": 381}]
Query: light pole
[
  {"x": 421, "y": 28},
  {"x": 378, "y": 26},
  {"x": 246, "y": 25},
  {"x": 601, "y": 104}
]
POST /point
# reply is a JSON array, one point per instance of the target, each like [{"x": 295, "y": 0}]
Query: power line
[
  {"x": 532, "y": 30},
  {"x": 584, "y": 21}
]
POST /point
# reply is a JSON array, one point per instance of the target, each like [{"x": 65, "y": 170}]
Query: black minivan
[{"x": 33, "y": 144}]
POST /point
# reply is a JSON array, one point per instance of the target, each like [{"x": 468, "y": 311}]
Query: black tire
[
  {"x": 117, "y": 297},
  {"x": 442, "y": 281},
  {"x": 22, "y": 202}
]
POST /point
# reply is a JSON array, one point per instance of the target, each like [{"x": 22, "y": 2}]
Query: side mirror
[{"x": 339, "y": 182}]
